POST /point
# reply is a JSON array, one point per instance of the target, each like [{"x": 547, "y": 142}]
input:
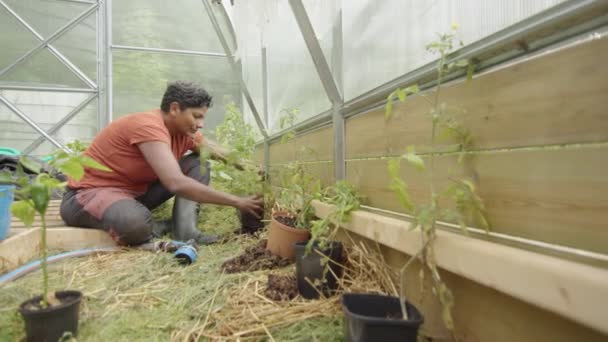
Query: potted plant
[
  {"x": 292, "y": 213},
  {"x": 49, "y": 315},
  {"x": 318, "y": 260},
  {"x": 368, "y": 317},
  {"x": 235, "y": 173}
]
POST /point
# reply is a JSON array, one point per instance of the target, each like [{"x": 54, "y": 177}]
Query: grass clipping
[{"x": 248, "y": 313}]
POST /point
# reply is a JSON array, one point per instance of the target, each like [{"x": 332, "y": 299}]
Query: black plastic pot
[
  {"x": 311, "y": 266},
  {"x": 371, "y": 317},
  {"x": 51, "y": 323},
  {"x": 249, "y": 223}
]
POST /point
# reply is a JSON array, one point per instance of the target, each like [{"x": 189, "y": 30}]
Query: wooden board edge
[
  {"x": 70, "y": 238},
  {"x": 18, "y": 249}
]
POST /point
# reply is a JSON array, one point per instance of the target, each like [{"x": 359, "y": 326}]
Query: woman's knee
[
  {"x": 192, "y": 166},
  {"x": 128, "y": 222}
]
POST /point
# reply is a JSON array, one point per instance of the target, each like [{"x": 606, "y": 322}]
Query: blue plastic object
[
  {"x": 10, "y": 151},
  {"x": 186, "y": 254},
  {"x": 6, "y": 198}
]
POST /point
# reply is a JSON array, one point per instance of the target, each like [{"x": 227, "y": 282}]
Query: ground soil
[
  {"x": 286, "y": 220},
  {"x": 255, "y": 258},
  {"x": 281, "y": 287}
]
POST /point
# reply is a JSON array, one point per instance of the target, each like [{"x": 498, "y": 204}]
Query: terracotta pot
[{"x": 281, "y": 237}]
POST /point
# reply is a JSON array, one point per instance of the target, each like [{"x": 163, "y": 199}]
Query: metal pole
[
  {"x": 328, "y": 81},
  {"x": 265, "y": 86},
  {"x": 53, "y": 89},
  {"x": 31, "y": 123},
  {"x": 108, "y": 63},
  {"x": 312, "y": 43},
  {"x": 78, "y": 1},
  {"x": 339, "y": 122},
  {"x": 52, "y": 38},
  {"x": 169, "y": 51},
  {"x": 267, "y": 158},
  {"x": 60, "y": 124},
  {"x": 100, "y": 57},
  {"x": 339, "y": 146},
  {"x": 234, "y": 67},
  {"x": 266, "y": 110},
  {"x": 53, "y": 50}
]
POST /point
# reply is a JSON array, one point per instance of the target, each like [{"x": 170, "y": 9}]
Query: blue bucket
[{"x": 6, "y": 199}]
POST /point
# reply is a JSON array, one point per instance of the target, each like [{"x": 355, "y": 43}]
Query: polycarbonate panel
[
  {"x": 79, "y": 45},
  {"x": 293, "y": 81},
  {"x": 44, "y": 108},
  {"x": 250, "y": 119},
  {"x": 42, "y": 68},
  {"x": 82, "y": 127},
  {"x": 15, "y": 44},
  {"x": 15, "y": 132},
  {"x": 324, "y": 16},
  {"x": 46, "y": 16},
  {"x": 178, "y": 24},
  {"x": 223, "y": 19},
  {"x": 386, "y": 39},
  {"x": 249, "y": 54},
  {"x": 140, "y": 79}
]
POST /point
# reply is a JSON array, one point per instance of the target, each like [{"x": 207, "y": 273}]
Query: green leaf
[
  {"x": 72, "y": 169},
  {"x": 470, "y": 71},
  {"x": 413, "y": 89},
  {"x": 389, "y": 106},
  {"x": 401, "y": 94},
  {"x": 224, "y": 175},
  {"x": 93, "y": 164},
  {"x": 413, "y": 158},
  {"x": 463, "y": 226},
  {"x": 24, "y": 211},
  {"x": 6, "y": 177},
  {"x": 398, "y": 185},
  {"x": 30, "y": 164},
  {"x": 461, "y": 63}
]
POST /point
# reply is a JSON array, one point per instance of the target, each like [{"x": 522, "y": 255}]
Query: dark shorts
[{"x": 125, "y": 215}]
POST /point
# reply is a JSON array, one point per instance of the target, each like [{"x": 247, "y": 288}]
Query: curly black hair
[{"x": 187, "y": 94}]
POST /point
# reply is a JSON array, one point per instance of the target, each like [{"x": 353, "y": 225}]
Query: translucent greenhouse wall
[
  {"x": 55, "y": 66},
  {"x": 140, "y": 77},
  {"x": 361, "y": 40},
  {"x": 100, "y": 54}
]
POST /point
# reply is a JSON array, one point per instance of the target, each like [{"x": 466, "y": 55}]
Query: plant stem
[
  {"x": 45, "y": 275},
  {"x": 403, "y": 299}
]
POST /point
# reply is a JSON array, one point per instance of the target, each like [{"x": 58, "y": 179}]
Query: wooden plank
[
  {"x": 19, "y": 249},
  {"x": 258, "y": 155},
  {"x": 556, "y": 98},
  {"x": 318, "y": 145},
  {"x": 37, "y": 223},
  {"x": 556, "y": 196},
  {"x": 71, "y": 238},
  {"x": 576, "y": 291},
  {"x": 25, "y": 246},
  {"x": 323, "y": 171}
]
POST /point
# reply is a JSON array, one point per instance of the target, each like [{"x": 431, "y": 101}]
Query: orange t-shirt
[{"x": 116, "y": 147}]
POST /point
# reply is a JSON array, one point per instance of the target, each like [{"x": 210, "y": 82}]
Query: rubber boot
[
  {"x": 160, "y": 228},
  {"x": 185, "y": 217}
]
